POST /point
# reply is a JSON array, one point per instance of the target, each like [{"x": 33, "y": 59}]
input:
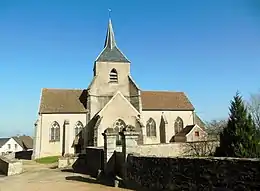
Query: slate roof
[
  {"x": 111, "y": 53},
  {"x": 74, "y": 101},
  {"x": 25, "y": 142},
  {"x": 199, "y": 122},
  {"x": 165, "y": 100},
  {"x": 62, "y": 101},
  {"x": 3, "y": 141},
  {"x": 185, "y": 130}
]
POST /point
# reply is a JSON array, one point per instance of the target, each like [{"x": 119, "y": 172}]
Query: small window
[
  {"x": 197, "y": 134},
  {"x": 113, "y": 77},
  {"x": 9, "y": 146},
  {"x": 15, "y": 146}
]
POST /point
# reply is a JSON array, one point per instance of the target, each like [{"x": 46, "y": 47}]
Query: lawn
[{"x": 47, "y": 160}]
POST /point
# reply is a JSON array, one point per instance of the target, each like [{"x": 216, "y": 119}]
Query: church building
[{"x": 69, "y": 120}]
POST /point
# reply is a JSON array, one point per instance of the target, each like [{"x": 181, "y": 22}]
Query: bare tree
[
  {"x": 254, "y": 108},
  {"x": 214, "y": 128},
  {"x": 202, "y": 148}
]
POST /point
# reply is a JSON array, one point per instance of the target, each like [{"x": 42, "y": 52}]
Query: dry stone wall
[
  {"x": 10, "y": 167},
  {"x": 158, "y": 173}
]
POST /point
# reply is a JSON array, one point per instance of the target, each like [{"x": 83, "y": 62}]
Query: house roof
[
  {"x": 185, "y": 130},
  {"x": 3, "y": 141},
  {"x": 199, "y": 122},
  {"x": 74, "y": 101},
  {"x": 165, "y": 100},
  {"x": 25, "y": 142},
  {"x": 111, "y": 53},
  {"x": 62, "y": 101}
]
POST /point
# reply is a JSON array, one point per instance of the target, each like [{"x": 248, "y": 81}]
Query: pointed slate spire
[
  {"x": 110, "y": 38},
  {"x": 111, "y": 53}
]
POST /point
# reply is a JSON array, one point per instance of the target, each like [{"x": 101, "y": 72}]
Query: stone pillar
[
  {"x": 37, "y": 139},
  {"x": 68, "y": 141},
  {"x": 109, "y": 149},
  {"x": 65, "y": 137},
  {"x": 129, "y": 140},
  {"x": 129, "y": 145}
]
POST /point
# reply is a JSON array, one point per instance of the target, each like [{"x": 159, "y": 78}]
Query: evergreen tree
[{"x": 239, "y": 138}]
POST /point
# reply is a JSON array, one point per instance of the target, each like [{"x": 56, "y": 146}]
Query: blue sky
[{"x": 208, "y": 49}]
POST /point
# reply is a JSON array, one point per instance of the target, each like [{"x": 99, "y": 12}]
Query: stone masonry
[{"x": 158, "y": 173}]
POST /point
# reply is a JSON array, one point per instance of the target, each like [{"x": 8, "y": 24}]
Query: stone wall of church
[
  {"x": 44, "y": 147},
  {"x": 134, "y": 96},
  {"x": 102, "y": 86},
  {"x": 97, "y": 103},
  {"x": 165, "y": 131}
]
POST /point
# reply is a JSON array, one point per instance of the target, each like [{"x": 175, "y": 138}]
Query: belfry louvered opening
[{"x": 113, "y": 76}]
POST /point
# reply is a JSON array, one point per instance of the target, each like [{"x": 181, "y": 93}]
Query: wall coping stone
[{"x": 202, "y": 158}]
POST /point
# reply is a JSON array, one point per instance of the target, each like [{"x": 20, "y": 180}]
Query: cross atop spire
[
  {"x": 111, "y": 53},
  {"x": 109, "y": 13}
]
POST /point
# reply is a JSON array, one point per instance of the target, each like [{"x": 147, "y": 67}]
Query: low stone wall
[
  {"x": 65, "y": 162},
  {"x": 4, "y": 165},
  {"x": 10, "y": 167},
  {"x": 158, "y": 173},
  {"x": 175, "y": 149},
  {"x": 10, "y": 156},
  {"x": 159, "y": 150}
]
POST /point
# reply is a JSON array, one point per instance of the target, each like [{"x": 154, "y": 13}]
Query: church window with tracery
[
  {"x": 55, "y": 131},
  {"x": 178, "y": 125},
  {"x": 119, "y": 125},
  {"x": 151, "y": 128},
  {"x": 78, "y": 128}
]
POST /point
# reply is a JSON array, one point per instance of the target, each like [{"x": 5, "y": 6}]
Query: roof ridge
[
  {"x": 63, "y": 88},
  {"x": 165, "y": 91}
]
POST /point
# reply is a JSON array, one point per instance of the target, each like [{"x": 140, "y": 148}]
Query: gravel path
[{"x": 42, "y": 178}]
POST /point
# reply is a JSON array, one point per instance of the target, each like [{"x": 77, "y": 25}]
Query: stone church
[{"x": 69, "y": 120}]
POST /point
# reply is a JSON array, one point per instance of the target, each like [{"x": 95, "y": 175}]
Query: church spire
[
  {"x": 111, "y": 53},
  {"x": 110, "y": 38}
]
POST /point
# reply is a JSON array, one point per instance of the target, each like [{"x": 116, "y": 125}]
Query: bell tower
[{"x": 111, "y": 67}]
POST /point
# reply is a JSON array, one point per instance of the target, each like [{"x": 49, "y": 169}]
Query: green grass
[{"x": 47, "y": 160}]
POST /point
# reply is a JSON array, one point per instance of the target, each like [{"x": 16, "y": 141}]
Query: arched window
[
  {"x": 119, "y": 125},
  {"x": 151, "y": 128},
  {"x": 78, "y": 128},
  {"x": 178, "y": 125},
  {"x": 113, "y": 77},
  {"x": 55, "y": 131}
]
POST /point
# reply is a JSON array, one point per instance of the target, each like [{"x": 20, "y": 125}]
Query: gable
[
  {"x": 196, "y": 128},
  {"x": 165, "y": 100},
  {"x": 62, "y": 101},
  {"x": 25, "y": 142},
  {"x": 118, "y": 103}
]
